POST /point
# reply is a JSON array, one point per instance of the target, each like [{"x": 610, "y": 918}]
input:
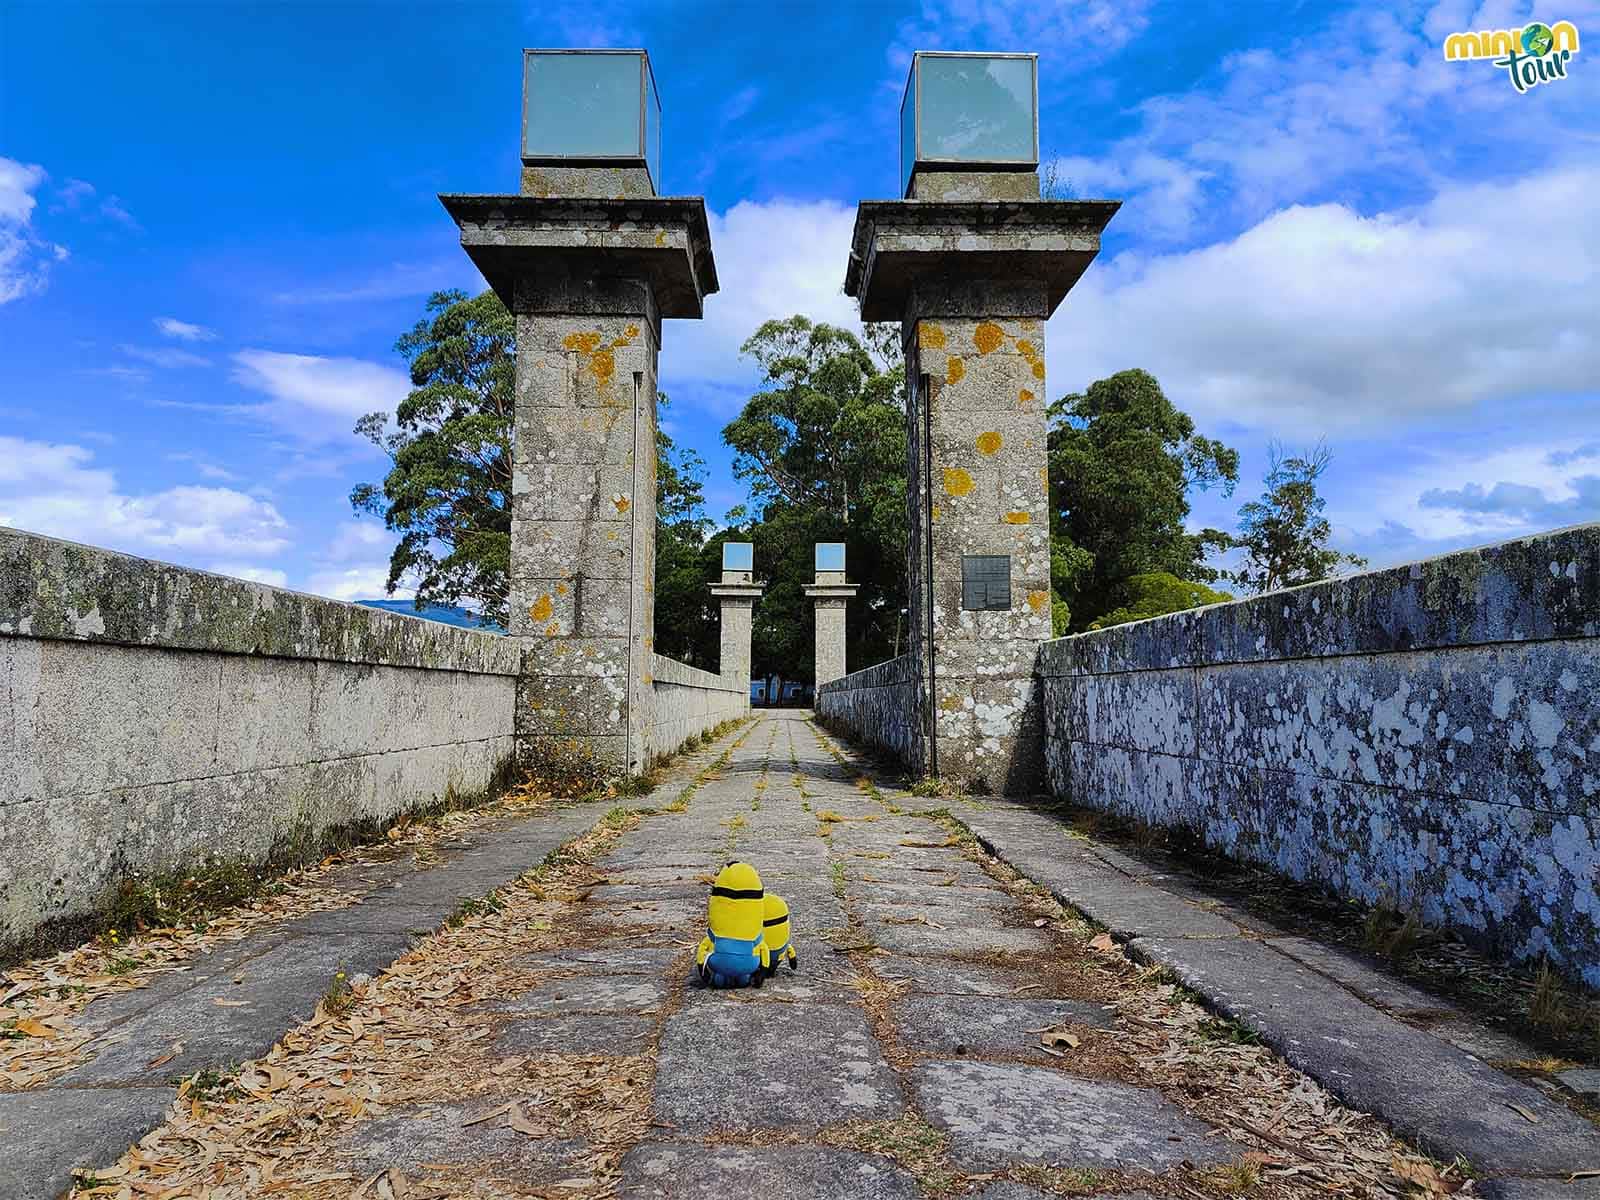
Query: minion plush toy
[
  {"x": 775, "y": 931},
  {"x": 733, "y": 952}
]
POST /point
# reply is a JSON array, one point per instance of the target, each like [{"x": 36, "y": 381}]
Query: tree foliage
[
  {"x": 448, "y": 489},
  {"x": 1122, "y": 461},
  {"x": 1155, "y": 594},
  {"x": 822, "y": 447},
  {"x": 1284, "y": 535}
]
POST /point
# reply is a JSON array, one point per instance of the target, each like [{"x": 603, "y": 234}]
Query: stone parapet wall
[
  {"x": 152, "y": 716},
  {"x": 1426, "y": 736},
  {"x": 688, "y": 702},
  {"x": 877, "y": 706}
]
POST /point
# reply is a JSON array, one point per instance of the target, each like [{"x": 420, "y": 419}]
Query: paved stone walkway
[{"x": 557, "y": 1046}]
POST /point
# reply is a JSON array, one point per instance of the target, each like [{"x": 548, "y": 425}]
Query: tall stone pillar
[
  {"x": 738, "y": 591},
  {"x": 589, "y": 261},
  {"x": 972, "y": 264},
  {"x": 829, "y": 594}
]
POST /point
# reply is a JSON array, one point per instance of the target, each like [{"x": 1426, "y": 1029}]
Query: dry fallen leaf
[
  {"x": 1057, "y": 1038},
  {"x": 1423, "y": 1175},
  {"x": 1103, "y": 942},
  {"x": 36, "y": 1029},
  {"x": 1523, "y": 1111}
]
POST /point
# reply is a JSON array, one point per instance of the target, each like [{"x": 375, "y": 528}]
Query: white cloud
[
  {"x": 1088, "y": 29},
  {"x": 358, "y": 540},
  {"x": 165, "y": 356},
  {"x": 270, "y": 576},
  {"x": 1469, "y": 498},
  {"x": 1321, "y": 319},
  {"x": 54, "y": 488},
  {"x": 184, "y": 331},
  {"x": 361, "y": 582},
  {"x": 315, "y": 398},
  {"x": 774, "y": 259},
  {"x": 25, "y": 258},
  {"x": 1366, "y": 99}
]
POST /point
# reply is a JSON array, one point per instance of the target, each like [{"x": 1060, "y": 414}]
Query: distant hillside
[{"x": 446, "y": 614}]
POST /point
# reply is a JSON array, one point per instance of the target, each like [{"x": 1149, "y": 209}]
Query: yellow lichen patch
[
  {"x": 583, "y": 343},
  {"x": 1025, "y": 396},
  {"x": 989, "y": 442},
  {"x": 648, "y": 679},
  {"x": 541, "y": 608},
  {"x": 957, "y": 482},
  {"x": 561, "y": 589},
  {"x": 930, "y": 336},
  {"x": 1017, "y": 518},
  {"x": 1038, "y": 368},
  {"x": 1026, "y": 349},
  {"x": 954, "y": 369},
  {"x": 988, "y": 337},
  {"x": 1039, "y": 601},
  {"x": 611, "y": 535},
  {"x": 950, "y": 703},
  {"x": 552, "y": 629},
  {"x": 933, "y": 513},
  {"x": 602, "y": 365},
  {"x": 661, "y": 238},
  {"x": 621, "y": 502}
]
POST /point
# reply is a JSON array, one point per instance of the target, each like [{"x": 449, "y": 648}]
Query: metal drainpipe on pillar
[
  {"x": 633, "y": 557},
  {"x": 927, "y": 537}
]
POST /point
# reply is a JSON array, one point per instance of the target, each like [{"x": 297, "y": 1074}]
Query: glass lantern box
[
  {"x": 738, "y": 556},
  {"x": 591, "y": 108},
  {"x": 830, "y": 556},
  {"x": 972, "y": 112}
]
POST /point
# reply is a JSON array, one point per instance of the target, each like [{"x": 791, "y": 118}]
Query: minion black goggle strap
[
  {"x": 739, "y": 893},
  {"x": 771, "y": 921}
]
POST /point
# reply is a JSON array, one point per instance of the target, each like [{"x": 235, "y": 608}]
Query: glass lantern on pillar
[
  {"x": 591, "y": 108},
  {"x": 969, "y": 112}
]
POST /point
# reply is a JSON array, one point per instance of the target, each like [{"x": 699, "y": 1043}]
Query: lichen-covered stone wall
[
  {"x": 877, "y": 706},
  {"x": 687, "y": 702},
  {"x": 151, "y": 716},
  {"x": 1427, "y": 735}
]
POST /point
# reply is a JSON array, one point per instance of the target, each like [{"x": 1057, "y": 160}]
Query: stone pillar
[
  {"x": 589, "y": 278},
  {"x": 738, "y": 591},
  {"x": 829, "y": 593},
  {"x": 972, "y": 270}
]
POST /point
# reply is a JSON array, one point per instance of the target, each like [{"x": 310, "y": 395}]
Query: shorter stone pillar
[
  {"x": 738, "y": 592},
  {"x": 829, "y": 593}
]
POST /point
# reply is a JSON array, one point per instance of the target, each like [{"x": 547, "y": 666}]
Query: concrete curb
[{"x": 1331, "y": 1026}]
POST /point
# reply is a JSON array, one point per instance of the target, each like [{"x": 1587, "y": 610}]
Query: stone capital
[
  {"x": 664, "y": 241},
  {"x": 898, "y": 244}
]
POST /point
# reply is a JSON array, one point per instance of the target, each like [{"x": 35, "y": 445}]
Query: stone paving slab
[
  {"x": 1448, "y": 1102},
  {"x": 408, "y": 1137},
  {"x": 1364, "y": 1056},
  {"x": 1359, "y": 975},
  {"x": 279, "y": 989},
  {"x": 955, "y": 977},
  {"x": 596, "y": 991},
  {"x": 623, "y": 958},
  {"x": 985, "y": 1025},
  {"x": 285, "y": 967},
  {"x": 998, "y": 1114},
  {"x": 657, "y": 1169},
  {"x": 585, "y": 1033},
  {"x": 962, "y": 939},
  {"x": 840, "y": 1075},
  {"x": 49, "y": 1131},
  {"x": 1540, "y": 1189}
]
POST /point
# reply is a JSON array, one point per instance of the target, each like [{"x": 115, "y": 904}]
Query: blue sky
[{"x": 216, "y": 218}]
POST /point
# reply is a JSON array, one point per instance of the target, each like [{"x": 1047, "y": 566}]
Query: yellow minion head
[
  {"x": 737, "y": 908},
  {"x": 775, "y": 921}
]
